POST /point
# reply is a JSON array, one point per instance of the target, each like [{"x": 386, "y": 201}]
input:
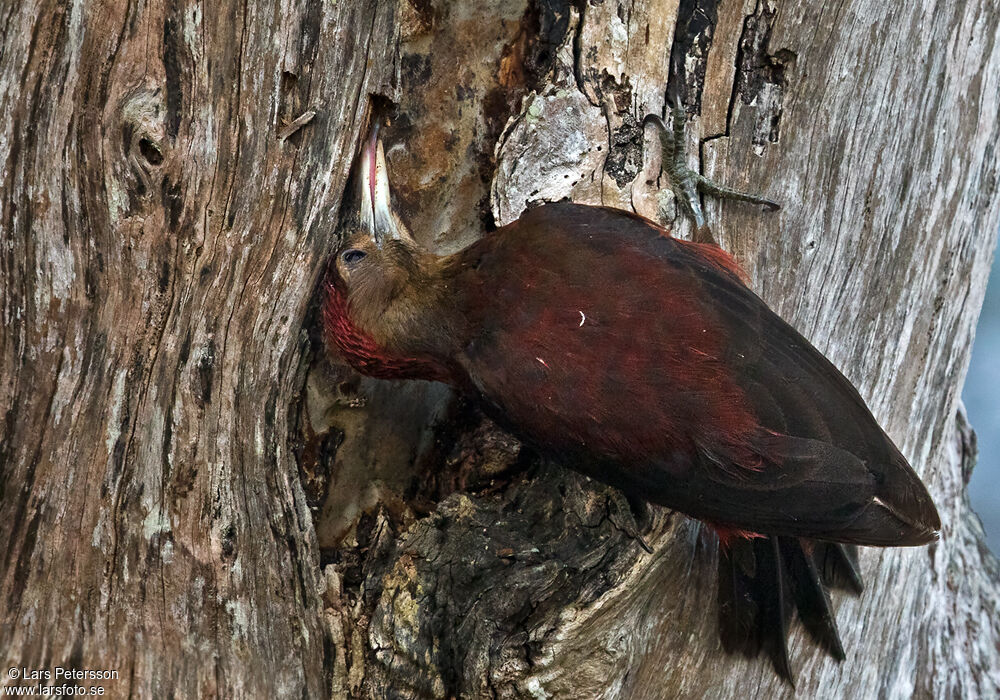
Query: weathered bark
[
  {"x": 876, "y": 135},
  {"x": 164, "y": 390},
  {"x": 162, "y": 236}
]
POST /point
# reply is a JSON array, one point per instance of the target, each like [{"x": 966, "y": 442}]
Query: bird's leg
[
  {"x": 623, "y": 508},
  {"x": 685, "y": 182}
]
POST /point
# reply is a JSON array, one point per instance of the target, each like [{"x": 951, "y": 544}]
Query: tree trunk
[
  {"x": 162, "y": 236},
  {"x": 193, "y": 496}
]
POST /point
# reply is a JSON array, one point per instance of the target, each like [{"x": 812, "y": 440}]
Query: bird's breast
[{"x": 360, "y": 350}]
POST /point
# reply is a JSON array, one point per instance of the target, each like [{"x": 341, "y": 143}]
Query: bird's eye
[{"x": 353, "y": 256}]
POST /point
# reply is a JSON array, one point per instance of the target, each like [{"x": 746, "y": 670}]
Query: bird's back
[{"x": 645, "y": 362}]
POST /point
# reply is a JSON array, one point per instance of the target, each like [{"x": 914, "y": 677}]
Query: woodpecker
[{"x": 645, "y": 362}]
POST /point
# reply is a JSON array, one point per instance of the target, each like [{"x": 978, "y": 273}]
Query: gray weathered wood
[
  {"x": 169, "y": 417},
  {"x": 873, "y": 125},
  {"x": 160, "y": 246}
]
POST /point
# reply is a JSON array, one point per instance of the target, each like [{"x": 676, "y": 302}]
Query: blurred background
[{"x": 982, "y": 401}]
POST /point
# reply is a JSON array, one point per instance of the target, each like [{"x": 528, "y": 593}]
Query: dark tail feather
[
  {"x": 755, "y": 603},
  {"x": 762, "y": 581},
  {"x": 811, "y": 597},
  {"x": 838, "y": 565}
]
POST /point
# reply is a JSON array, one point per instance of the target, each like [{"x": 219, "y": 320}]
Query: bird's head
[
  {"x": 383, "y": 304},
  {"x": 376, "y": 252}
]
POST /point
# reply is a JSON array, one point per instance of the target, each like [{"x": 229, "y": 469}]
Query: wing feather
[{"x": 680, "y": 385}]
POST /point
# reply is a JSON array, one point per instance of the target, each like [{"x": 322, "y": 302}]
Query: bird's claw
[
  {"x": 622, "y": 516},
  {"x": 687, "y": 184}
]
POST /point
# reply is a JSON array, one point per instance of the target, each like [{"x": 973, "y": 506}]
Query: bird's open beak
[{"x": 377, "y": 215}]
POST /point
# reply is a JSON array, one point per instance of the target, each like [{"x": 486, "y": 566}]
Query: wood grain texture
[
  {"x": 464, "y": 68},
  {"x": 873, "y": 125},
  {"x": 160, "y": 247},
  {"x": 168, "y": 419}
]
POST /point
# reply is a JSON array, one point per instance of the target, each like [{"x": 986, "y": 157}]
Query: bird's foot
[
  {"x": 687, "y": 184},
  {"x": 623, "y": 516}
]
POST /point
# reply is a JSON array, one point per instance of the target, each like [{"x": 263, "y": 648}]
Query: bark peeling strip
[
  {"x": 689, "y": 54},
  {"x": 761, "y": 78}
]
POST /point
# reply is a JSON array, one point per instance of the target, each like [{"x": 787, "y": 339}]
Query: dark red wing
[{"x": 645, "y": 362}]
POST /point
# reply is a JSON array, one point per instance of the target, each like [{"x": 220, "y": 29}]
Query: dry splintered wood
[
  {"x": 193, "y": 495},
  {"x": 161, "y": 245}
]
